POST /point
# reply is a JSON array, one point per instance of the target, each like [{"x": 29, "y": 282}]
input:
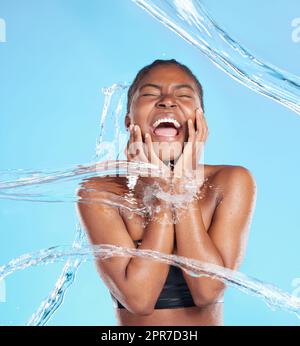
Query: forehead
[{"x": 165, "y": 75}]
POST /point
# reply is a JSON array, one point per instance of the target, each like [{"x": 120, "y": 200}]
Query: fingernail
[
  {"x": 135, "y": 127},
  {"x": 146, "y": 135}
]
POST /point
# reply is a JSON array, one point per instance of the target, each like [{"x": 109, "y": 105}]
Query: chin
[
  {"x": 167, "y": 151},
  {"x": 170, "y": 157}
]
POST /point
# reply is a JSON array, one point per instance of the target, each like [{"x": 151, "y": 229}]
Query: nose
[{"x": 166, "y": 102}]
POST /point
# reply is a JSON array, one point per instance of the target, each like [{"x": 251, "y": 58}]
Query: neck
[{"x": 170, "y": 163}]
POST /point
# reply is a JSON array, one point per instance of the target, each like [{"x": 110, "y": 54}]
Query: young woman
[{"x": 165, "y": 103}]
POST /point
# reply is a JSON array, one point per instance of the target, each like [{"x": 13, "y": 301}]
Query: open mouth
[{"x": 166, "y": 127}]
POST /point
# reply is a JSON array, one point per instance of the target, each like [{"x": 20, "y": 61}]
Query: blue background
[{"x": 58, "y": 56}]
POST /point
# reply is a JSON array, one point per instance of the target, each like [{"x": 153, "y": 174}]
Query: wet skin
[
  {"x": 218, "y": 223},
  {"x": 167, "y": 90},
  {"x": 212, "y": 314}
]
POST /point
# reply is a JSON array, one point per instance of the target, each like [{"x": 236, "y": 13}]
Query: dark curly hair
[{"x": 133, "y": 87}]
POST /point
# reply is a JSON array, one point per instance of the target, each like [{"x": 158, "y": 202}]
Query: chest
[{"x": 137, "y": 224}]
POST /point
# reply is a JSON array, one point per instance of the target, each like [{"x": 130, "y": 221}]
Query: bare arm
[
  {"x": 225, "y": 241},
  {"x": 135, "y": 282}
]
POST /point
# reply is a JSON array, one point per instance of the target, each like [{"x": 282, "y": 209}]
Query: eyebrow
[{"x": 178, "y": 86}]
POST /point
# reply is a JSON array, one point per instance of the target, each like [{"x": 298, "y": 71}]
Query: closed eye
[{"x": 158, "y": 95}]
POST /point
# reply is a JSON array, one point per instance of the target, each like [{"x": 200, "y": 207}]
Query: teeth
[{"x": 166, "y": 120}]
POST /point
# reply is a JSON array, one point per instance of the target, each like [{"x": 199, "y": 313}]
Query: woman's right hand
[{"x": 139, "y": 151}]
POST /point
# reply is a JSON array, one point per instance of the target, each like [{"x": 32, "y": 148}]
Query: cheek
[
  {"x": 189, "y": 108},
  {"x": 140, "y": 114}
]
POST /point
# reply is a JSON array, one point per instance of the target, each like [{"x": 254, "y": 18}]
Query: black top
[{"x": 174, "y": 294}]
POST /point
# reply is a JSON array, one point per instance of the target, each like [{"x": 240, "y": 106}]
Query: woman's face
[{"x": 172, "y": 95}]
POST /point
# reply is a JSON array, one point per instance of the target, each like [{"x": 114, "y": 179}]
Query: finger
[
  {"x": 133, "y": 151},
  {"x": 129, "y": 149},
  {"x": 139, "y": 144},
  {"x": 153, "y": 158},
  {"x": 202, "y": 132},
  {"x": 200, "y": 129},
  {"x": 198, "y": 134},
  {"x": 151, "y": 155},
  {"x": 202, "y": 136},
  {"x": 205, "y": 129},
  {"x": 131, "y": 138},
  {"x": 192, "y": 131}
]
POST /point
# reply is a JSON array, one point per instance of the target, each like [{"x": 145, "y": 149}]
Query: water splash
[
  {"x": 48, "y": 307},
  {"x": 36, "y": 185},
  {"x": 55, "y": 297},
  {"x": 190, "y": 20},
  {"x": 109, "y": 145},
  {"x": 80, "y": 251},
  {"x": 273, "y": 296}
]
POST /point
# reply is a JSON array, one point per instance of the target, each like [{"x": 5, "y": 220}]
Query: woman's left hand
[{"x": 187, "y": 164}]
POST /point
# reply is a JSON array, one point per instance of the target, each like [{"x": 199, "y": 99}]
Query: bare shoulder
[
  {"x": 103, "y": 185},
  {"x": 229, "y": 177},
  {"x": 222, "y": 171}
]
